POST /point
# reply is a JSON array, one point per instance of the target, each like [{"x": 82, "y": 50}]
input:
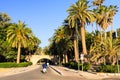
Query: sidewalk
[
  {"x": 12, "y": 71},
  {"x": 89, "y": 76}
]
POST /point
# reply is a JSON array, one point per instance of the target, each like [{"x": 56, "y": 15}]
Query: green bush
[
  {"x": 108, "y": 68},
  {"x": 67, "y": 64},
  {"x": 7, "y": 65},
  {"x": 86, "y": 66},
  {"x": 24, "y": 64},
  {"x": 11, "y": 64},
  {"x": 74, "y": 65}
]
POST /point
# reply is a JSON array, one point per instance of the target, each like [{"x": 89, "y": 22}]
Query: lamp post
[
  {"x": 77, "y": 36},
  {"x": 82, "y": 57},
  {"x": 117, "y": 62}
]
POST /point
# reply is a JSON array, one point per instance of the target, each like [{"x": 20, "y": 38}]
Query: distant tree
[
  {"x": 4, "y": 19},
  {"x": 4, "y": 48}
]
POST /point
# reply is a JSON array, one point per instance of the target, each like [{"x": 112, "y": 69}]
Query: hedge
[{"x": 12, "y": 64}]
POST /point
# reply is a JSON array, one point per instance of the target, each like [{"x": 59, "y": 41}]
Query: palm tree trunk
[
  {"x": 105, "y": 34},
  {"x": 83, "y": 39},
  {"x": 75, "y": 50},
  {"x": 18, "y": 54},
  {"x": 114, "y": 60},
  {"x": 101, "y": 34},
  {"x": 104, "y": 60},
  {"x": 63, "y": 58},
  {"x": 111, "y": 31},
  {"x": 66, "y": 58}
]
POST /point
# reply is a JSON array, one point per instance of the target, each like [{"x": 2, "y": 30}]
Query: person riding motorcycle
[{"x": 44, "y": 67}]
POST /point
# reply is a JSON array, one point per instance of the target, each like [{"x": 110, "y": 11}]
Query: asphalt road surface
[{"x": 36, "y": 74}]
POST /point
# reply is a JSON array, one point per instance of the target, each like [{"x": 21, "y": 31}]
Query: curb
[{"x": 59, "y": 72}]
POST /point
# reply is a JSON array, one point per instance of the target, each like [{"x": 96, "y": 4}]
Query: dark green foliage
[
  {"x": 108, "y": 68},
  {"x": 86, "y": 66},
  {"x": 74, "y": 65},
  {"x": 2, "y": 58},
  {"x": 118, "y": 32},
  {"x": 7, "y": 65},
  {"x": 10, "y": 64},
  {"x": 114, "y": 35},
  {"x": 11, "y": 56},
  {"x": 24, "y": 64}
]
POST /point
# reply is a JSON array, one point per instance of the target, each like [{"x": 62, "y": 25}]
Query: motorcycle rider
[{"x": 44, "y": 67}]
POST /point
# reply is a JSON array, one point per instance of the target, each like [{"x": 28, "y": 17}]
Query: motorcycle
[{"x": 44, "y": 70}]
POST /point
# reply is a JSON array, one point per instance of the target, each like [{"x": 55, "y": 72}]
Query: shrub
[
  {"x": 74, "y": 65},
  {"x": 86, "y": 66},
  {"x": 7, "y": 65},
  {"x": 24, "y": 64},
  {"x": 108, "y": 68},
  {"x": 11, "y": 64}
]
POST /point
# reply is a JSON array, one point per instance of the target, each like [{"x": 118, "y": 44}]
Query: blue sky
[{"x": 44, "y": 16}]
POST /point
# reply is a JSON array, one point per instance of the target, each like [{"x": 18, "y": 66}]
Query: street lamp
[
  {"x": 77, "y": 50},
  {"x": 77, "y": 36},
  {"x": 117, "y": 61},
  {"x": 82, "y": 57}
]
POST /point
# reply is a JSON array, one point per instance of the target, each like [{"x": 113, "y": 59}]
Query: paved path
[
  {"x": 62, "y": 71},
  {"x": 36, "y": 74},
  {"x": 12, "y": 71}
]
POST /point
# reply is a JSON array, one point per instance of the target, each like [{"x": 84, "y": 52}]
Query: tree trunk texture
[
  {"x": 18, "y": 54},
  {"x": 75, "y": 50},
  {"x": 83, "y": 39}
]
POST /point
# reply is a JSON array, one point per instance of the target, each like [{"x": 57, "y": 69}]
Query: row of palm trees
[{"x": 80, "y": 15}]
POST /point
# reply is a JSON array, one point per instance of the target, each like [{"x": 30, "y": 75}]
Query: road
[{"x": 36, "y": 74}]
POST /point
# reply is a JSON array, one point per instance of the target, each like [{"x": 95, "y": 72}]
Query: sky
[{"x": 44, "y": 16}]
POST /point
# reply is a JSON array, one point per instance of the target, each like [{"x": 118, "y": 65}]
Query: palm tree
[
  {"x": 72, "y": 33},
  {"x": 79, "y": 14},
  {"x": 62, "y": 39},
  {"x": 104, "y": 16},
  {"x": 98, "y": 2},
  {"x": 18, "y": 36},
  {"x": 112, "y": 12},
  {"x": 58, "y": 38},
  {"x": 105, "y": 51}
]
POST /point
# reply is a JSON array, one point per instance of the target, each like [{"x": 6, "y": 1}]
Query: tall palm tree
[
  {"x": 71, "y": 31},
  {"x": 62, "y": 39},
  {"x": 104, "y": 16},
  {"x": 98, "y": 3},
  {"x": 112, "y": 12},
  {"x": 18, "y": 36},
  {"x": 80, "y": 14},
  {"x": 58, "y": 38}
]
